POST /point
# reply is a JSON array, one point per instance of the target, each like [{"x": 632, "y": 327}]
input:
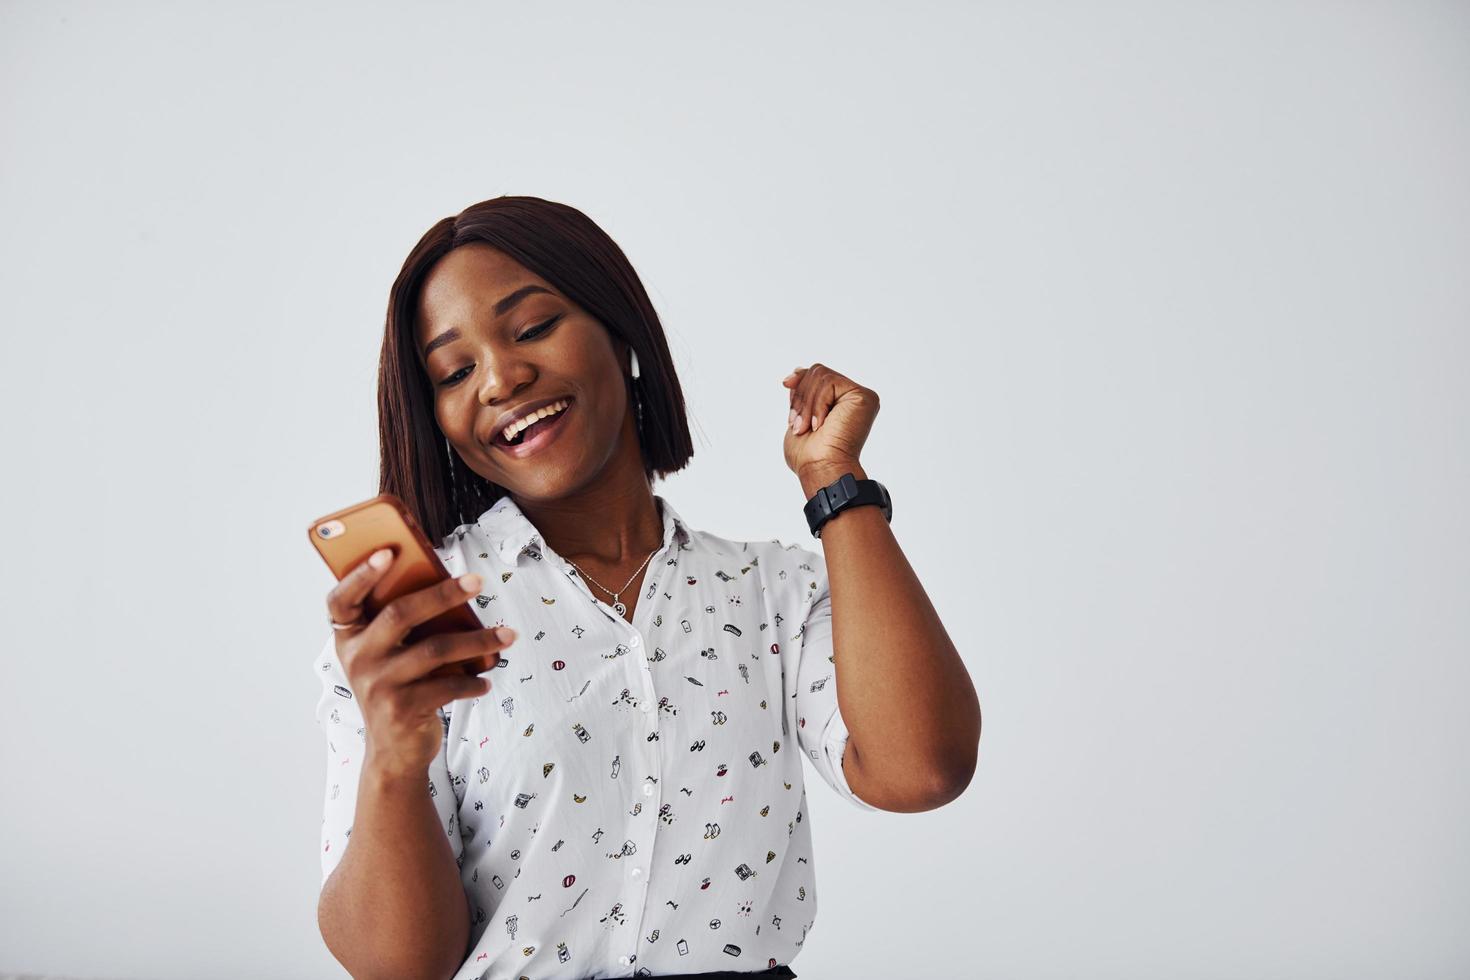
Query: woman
[{"x": 622, "y": 793}]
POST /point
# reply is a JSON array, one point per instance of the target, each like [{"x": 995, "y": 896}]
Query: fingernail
[
  {"x": 795, "y": 421},
  {"x": 381, "y": 558},
  {"x": 816, "y": 423},
  {"x": 470, "y": 582},
  {"x": 504, "y": 634}
]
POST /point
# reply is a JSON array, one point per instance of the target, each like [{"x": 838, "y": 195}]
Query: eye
[
  {"x": 539, "y": 328},
  {"x": 535, "y": 331},
  {"x": 453, "y": 379}
]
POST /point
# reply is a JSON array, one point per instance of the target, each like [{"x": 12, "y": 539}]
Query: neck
[{"x": 612, "y": 528}]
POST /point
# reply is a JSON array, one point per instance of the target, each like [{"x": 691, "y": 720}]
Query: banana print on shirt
[{"x": 628, "y": 799}]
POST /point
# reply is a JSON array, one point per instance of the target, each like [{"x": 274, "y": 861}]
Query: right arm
[
  {"x": 392, "y": 903},
  {"x": 394, "y": 907}
]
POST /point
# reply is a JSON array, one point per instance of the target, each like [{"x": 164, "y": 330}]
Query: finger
[
  {"x": 344, "y": 602},
  {"x": 793, "y": 381},
  {"x": 804, "y": 405},
  {"x": 823, "y": 406},
  {"x": 435, "y": 692},
  {"x": 446, "y": 650},
  {"x": 797, "y": 393},
  {"x": 391, "y": 625}
]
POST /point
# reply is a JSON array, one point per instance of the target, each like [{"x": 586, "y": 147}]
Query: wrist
[
  {"x": 816, "y": 475},
  {"x": 388, "y": 775}
]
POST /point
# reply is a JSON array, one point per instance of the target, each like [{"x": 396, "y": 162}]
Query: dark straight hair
[{"x": 568, "y": 250}]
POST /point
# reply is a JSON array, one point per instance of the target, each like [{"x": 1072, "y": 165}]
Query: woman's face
[{"x": 537, "y": 345}]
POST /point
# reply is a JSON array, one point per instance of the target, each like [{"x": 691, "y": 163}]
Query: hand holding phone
[
  {"x": 400, "y": 688},
  {"x": 419, "y": 645}
]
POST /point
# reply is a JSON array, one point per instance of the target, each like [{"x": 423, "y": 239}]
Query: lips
[{"x": 550, "y": 429}]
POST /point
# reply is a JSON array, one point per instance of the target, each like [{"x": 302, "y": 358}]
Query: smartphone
[{"x": 347, "y": 537}]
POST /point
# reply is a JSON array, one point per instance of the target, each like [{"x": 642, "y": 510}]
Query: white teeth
[{"x": 510, "y": 430}]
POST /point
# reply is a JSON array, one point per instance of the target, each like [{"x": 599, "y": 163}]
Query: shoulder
[
  {"x": 788, "y": 567},
  {"x": 775, "y": 552},
  {"x": 458, "y": 547}
]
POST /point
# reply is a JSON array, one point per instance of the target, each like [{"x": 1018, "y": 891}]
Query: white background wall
[{"x": 1167, "y": 305}]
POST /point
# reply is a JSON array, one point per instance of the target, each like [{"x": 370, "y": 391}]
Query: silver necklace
[{"x": 622, "y": 609}]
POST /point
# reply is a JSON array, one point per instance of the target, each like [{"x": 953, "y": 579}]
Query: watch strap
[{"x": 844, "y": 492}]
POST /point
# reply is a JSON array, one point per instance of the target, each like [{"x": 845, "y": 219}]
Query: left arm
[{"x": 902, "y": 688}]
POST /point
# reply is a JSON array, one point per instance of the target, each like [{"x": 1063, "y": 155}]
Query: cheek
[{"x": 453, "y": 417}]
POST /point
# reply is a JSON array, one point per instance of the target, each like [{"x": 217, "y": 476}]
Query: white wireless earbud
[{"x": 635, "y": 363}]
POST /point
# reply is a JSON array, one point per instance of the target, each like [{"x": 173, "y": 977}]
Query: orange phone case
[{"x": 347, "y": 537}]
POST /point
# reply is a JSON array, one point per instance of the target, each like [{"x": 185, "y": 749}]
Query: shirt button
[
  {"x": 637, "y": 872},
  {"x": 635, "y": 641},
  {"x": 624, "y": 960},
  {"x": 645, "y": 707},
  {"x": 647, "y": 789}
]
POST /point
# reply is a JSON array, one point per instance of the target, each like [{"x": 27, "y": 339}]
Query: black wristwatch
[{"x": 844, "y": 492}]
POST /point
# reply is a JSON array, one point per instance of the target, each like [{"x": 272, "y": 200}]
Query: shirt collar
[{"x": 512, "y": 534}]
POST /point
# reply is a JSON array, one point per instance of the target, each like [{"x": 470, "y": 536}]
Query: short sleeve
[
  {"x": 338, "y": 717},
  {"x": 820, "y": 730}
]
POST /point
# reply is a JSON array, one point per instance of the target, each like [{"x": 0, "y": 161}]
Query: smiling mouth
[{"x": 531, "y": 439}]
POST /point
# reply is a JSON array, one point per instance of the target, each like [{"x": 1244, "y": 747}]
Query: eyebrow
[{"x": 501, "y": 308}]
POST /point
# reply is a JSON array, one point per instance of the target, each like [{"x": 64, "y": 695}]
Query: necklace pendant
[{"x": 620, "y": 608}]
